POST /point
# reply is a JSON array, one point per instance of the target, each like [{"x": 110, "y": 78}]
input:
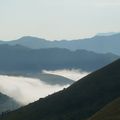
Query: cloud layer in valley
[
  {"x": 26, "y": 90},
  {"x": 73, "y": 74}
]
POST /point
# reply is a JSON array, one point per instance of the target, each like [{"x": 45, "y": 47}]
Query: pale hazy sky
[{"x": 58, "y": 19}]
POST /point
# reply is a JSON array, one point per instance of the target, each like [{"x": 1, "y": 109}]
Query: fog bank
[{"x": 26, "y": 90}]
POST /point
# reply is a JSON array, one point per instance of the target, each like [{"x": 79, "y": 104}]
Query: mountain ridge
[
  {"x": 26, "y": 60},
  {"x": 99, "y": 44}
]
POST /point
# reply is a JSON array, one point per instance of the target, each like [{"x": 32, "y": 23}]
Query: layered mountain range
[
  {"x": 90, "y": 98},
  {"x": 100, "y": 43},
  {"x": 21, "y": 60}
]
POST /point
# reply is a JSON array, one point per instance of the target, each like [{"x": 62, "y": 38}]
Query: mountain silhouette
[
  {"x": 108, "y": 34},
  {"x": 99, "y": 43},
  {"x": 21, "y": 60},
  {"x": 79, "y": 101}
]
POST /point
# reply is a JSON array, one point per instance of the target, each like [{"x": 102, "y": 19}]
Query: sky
[{"x": 58, "y": 19}]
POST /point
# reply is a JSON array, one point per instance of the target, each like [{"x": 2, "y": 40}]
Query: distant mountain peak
[
  {"x": 101, "y": 43},
  {"x": 107, "y": 34},
  {"x": 31, "y": 38}
]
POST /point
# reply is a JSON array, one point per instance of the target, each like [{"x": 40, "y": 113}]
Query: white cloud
[
  {"x": 73, "y": 74},
  {"x": 26, "y": 90}
]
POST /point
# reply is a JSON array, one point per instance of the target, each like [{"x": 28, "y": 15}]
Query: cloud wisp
[{"x": 73, "y": 74}]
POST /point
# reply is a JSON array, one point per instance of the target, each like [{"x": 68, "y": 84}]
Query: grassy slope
[
  {"x": 109, "y": 112},
  {"x": 78, "y": 102}
]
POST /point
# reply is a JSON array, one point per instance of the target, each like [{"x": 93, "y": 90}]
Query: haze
[{"x": 58, "y": 19}]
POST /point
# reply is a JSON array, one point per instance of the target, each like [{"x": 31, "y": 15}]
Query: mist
[
  {"x": 74, "y": 74},
  {"x": 26, "y": 90}
]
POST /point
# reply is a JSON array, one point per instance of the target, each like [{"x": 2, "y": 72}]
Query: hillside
[
  {"x": 98, "y": 43},
  {"x": 78, "y": 102},
  {"x": 50, "y": 79},
  {"x": 7, "y": 103},
  {"x": 21, "y": 60},
  {"x": 109, "y": 112}
]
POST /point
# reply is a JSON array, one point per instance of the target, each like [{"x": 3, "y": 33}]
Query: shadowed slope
[
  {"x": 7, "y": 103},
  {"x": 78, "y": 102},
  {"x": 109, "y": 112}
]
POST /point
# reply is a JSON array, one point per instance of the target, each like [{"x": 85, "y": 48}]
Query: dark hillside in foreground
[
  {"x": 78, "y": 102},
  {"x": 109, "y": 112}
]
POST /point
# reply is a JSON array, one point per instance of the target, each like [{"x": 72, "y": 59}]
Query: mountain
[
  {"x": 107, "y": 34},
  {"x": 21, "y": 60},
  {"x": 7, "y": 103},
  {"x": 99, "y": 43},
  {"x": 109, "y": 112},
  {"x": 77, "y": 102},
  {"x": 53, "y": 79},
  {"x": 30, "y": 42},
  {"x": 50, "y": 79}
]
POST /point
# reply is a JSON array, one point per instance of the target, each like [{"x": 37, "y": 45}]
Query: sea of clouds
[{"x": 26, "y": 90}]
